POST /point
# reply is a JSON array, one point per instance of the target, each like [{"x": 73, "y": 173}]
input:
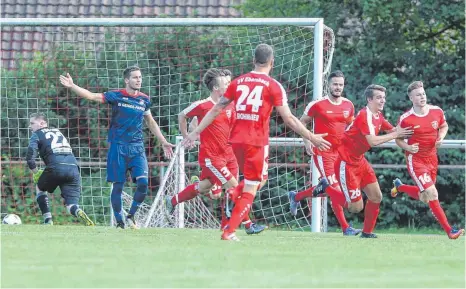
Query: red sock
[
  {"x": 240, "y": 211},
  {"x": 412, "y": 191},
  {"x": 185, "y": 195},
  {"x": 336, "y": 196},
  {"x": 338, "y": 211},
  {"x": 439, "y": 214},
  {"x": 236, "y": 191},
  {"x": 304, "y": 194},
  {"x": 247, "y": 222},
  {"x": 371, "y": 212}
]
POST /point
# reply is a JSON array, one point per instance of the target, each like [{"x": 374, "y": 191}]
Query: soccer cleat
[
  {"x": 255, "y": 229},
  {"x": 229, "y": 237},
  {"x": 320, "y": 188},
  {"x": 293, "y": 203},
  {"x": 120, "y": 225},
  {"x": 84, "y": 218},
  {"x": 48, "y": 221},
  {"x": 131, "y": 222},
  {"x": 455, "y": 233},
  {"x": 350, "y": 231},
  {"x": 169, "y": 208},
  {"x": 396, "y": 184},
  {"x": 194, "y": 179},
  {"x": 368, "y": 235}
]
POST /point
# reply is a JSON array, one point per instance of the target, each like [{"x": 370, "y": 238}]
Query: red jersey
[
  {"x": 214, "y": 138},
  {"x": 425, "y": 129},
  {"x": 254, "y": 94},
  {"x": 330, "y": 118},
  {"x": 354, "y": 143}
]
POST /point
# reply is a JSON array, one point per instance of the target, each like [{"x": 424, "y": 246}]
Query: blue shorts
[{"x": 124, "y": 157}]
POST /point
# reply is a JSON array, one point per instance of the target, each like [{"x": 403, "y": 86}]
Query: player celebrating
[
  {"x": 61, "y": 169},
  {"x": 352, "y": 169},
  {"x": 255, "y": 94},
  {"x": 129, "y": 108},
  {"x": 216, "y": 159},
  {"x": 331, "y": 115},
  {"x": 430, "y": 128}
]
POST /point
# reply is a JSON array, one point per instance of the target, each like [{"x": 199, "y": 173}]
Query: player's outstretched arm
[
  {"x": 291, "y": 121},
  {"x": 398, "y": 132},
  {"x": 67, "y": 82},
  {"x": 305, "y": 119},
  {"x": 155, "y": 129},
  {"x": 206, "y": 121}
]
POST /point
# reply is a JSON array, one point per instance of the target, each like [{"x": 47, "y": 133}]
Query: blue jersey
[{"x": 127, "y": 116}]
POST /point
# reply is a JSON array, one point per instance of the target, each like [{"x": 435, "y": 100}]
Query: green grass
[{"x": 61, "y": 256}]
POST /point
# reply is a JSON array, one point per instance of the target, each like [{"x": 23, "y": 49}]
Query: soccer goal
[{"x": 173, "y": 55}]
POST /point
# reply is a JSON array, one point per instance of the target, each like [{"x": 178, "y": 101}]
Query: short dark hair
[
  {"x": 39, "y": 115},
  {"x": 227, "y": 72},
  {"x": 336, "y": 73},
  {"x": 263, "y": 54},
  {"x": 415, "y": 85},
  {"x": 369, "y": 92},
  {"x": 211, "y": 77},
  {"x": 128, "y": 70}
]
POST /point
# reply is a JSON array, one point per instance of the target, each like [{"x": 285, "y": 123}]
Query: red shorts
[
  {"x": 253, "y": 162},
  {"x": 423, "y": 171},
  {"x": 218, "y": 170},
  {"x": 353, "y": 178},
  {"x": 326, "y": 166}
]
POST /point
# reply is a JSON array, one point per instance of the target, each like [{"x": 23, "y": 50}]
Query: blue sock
[
  {"x": 139, "y": 195},
  {"x": 116, "y": 200}
]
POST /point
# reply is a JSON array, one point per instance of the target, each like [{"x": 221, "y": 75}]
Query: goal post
[{"x": 173, "y": 54}]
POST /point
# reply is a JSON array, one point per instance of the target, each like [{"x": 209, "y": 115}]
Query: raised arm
[
  {"x": 155, "y": 129},
  {"x": 291, "y": 121},
  {"x": 67, "y": 82}
]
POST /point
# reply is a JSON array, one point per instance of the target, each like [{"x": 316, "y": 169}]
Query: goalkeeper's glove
[{"x": 36, "y": 176}]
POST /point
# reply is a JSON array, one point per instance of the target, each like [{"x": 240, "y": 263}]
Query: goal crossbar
[{"x": 159, "y": 21}]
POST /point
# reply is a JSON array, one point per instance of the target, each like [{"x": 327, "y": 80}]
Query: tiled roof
[{"x": 21, "y": 42}]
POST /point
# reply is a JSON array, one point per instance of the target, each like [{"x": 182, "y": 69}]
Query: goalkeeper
[{"x": 61, "y": 169}]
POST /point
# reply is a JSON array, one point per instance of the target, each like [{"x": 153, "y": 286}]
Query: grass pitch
[{"x": 74, "y": 256}]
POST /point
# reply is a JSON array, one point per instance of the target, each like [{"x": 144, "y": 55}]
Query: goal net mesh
[{"x": 173, "y": 61}]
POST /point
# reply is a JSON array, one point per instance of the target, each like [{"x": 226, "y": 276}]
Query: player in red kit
[
  {"x": 352, "y": 169},
  {"x": 331, "y": 114},
  {"x": 254, "y": 94},
  {"x": 430, "y": 128},
  {"x": 216, "y": 159}
]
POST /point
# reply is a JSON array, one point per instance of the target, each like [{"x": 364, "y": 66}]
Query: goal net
[{"x": 173, "y": 55}]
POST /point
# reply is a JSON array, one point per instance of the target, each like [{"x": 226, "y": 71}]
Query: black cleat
[
  {"x": 368, "y": 235},
  {"x": 120, "y": 224},
  {"x": 319, "y": 190}
]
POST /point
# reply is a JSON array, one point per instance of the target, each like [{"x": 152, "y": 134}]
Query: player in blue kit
[{"x": 129, "y": 108}]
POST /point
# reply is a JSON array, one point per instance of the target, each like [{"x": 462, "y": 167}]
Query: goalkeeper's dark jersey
[{"x": 53, "y": 148}]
